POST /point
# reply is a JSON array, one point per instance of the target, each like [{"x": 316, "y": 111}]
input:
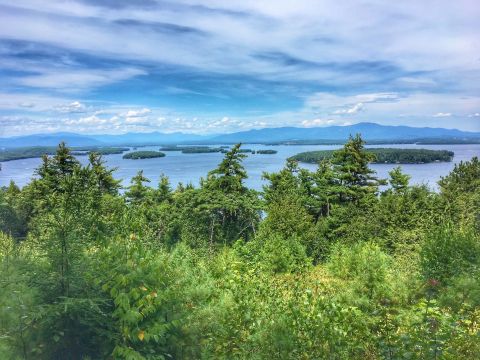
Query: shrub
[
  {"x": 365, "y": 264},
  {"x": 448, "y": 252}
]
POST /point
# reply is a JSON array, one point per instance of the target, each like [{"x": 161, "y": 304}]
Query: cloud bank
[{"x": 211, "y": 66}]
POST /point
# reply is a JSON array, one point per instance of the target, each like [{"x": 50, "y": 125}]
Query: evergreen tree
[
  {"x": 398, "y": 180},
  {"x": 137, "y": 192},
  {"x": 228, "y": 177},
  {"x": 355, "y": 176},
  {"x": 103, "y": 177},
  {"x": 164, "y": 190}
]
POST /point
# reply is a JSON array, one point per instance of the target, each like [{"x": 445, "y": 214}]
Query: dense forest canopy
[
  {"x": 319, "y": 265},
  {"x": 384, "y": 156}
]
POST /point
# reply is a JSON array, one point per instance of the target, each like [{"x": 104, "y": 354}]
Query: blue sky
[{"x": 211, "y": 66}]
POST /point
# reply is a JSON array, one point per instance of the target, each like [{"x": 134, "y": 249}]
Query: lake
[{"x": 188, "y": 168}]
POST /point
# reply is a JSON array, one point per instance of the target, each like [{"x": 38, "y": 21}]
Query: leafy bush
[
  {"x": 448, "y": 252},
  {"x": 365, "y": 264},
  {"x": 276, "y": 254}
]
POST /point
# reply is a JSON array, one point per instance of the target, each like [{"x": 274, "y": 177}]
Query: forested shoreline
[
  {"x": 39, "y": 151},
  {"x": 321, "y": 264},
  {"x": 384, "y": 156}
]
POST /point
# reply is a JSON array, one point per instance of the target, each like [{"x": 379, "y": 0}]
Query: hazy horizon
[{"x": 219, "y": 134}]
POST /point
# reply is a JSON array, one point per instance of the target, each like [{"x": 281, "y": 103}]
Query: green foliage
[
  {"x": 365, "y": 264},
  {"x": 384, "y": 156},
  {"x": 222, "y": 210},
  {"x": 461, "y": 193},
  {"x": 275, "y": 254},
  {"x": 405, "y": 216},
  {"x": 448, "y": 252},
  {"x": 351, "y": 167},
  {"x": 138, "y": 192},
  {"x": 317, "y": 266},
  {"x": 398, "y": 180}
]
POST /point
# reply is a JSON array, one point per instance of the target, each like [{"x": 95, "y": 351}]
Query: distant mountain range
[{"x": 369, "y": 131}]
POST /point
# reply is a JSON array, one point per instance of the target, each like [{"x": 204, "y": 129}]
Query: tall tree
[
  {"x": 398, "y": 180},
  {"x": 351, "y": 166},
  {"x": 137, "y": 192}
]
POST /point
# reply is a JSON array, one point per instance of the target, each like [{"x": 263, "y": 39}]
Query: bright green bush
[
  {"x": 448, "y": 252},
  {"x": 365, "y": 264}
]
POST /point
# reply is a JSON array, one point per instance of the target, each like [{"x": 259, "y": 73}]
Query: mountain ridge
[{"x": 369, "y": 131}]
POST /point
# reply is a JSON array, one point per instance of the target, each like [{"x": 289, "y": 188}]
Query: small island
[
  {"x": 200, "y": 150},
  {"x": 136, "y": 155},
  {"x": 385, "y": 156},
  {"x": 267, "y": 152},
  {"x": 171, "y": 148}
]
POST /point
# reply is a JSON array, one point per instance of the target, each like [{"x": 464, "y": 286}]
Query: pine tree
[
  {"x": 230, "y": 174},
  {"x": 398, "y": 180},
  {"x": 137, "y": 191},
  {"x": 355, "y": 176},
  {"x": 103, "y": 177}
]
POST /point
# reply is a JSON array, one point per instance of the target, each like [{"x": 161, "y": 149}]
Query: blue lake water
[{"x": 189, "y": 168}]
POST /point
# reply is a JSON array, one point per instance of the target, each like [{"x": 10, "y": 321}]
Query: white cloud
[
  {"x": 92, "y": 120},
  {"x": 318, "y": 122},
  {"x": 137, "y": 117},
  {"x": 309, "y": 29},
  {"x": 73, "y": 107},
  {"x": 27, "y": 105},
  {"x": 325, "y": 101},
  {"x": 441, "y": 114},
  {"x": 137, "y": 113},
  {"x": 312, "y": 42},
  {"x": 76, "y": 80},
  {"x": 352, "y": 110},
  {"x": 474, "y": 115}
]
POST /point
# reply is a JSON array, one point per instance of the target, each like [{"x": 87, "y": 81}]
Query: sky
[{"x": 218, "y": 66}]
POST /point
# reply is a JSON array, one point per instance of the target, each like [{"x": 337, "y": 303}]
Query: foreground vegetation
[
  {"x": 384, "y": 156},
  {"x": 136, "y": 155},
  {"x": 320, "y": 265},
  {"x": 39, "y": 151}
]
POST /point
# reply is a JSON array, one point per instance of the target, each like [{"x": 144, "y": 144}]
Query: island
[
  {"x": 136, "y": 155},
  {"x": 171, "y": 148},
  {"x": 200, "y": 150},
  {"x": 38, "y": 151},
  {"x": 385, "y": 156},
  {"x": 100, "y": 150},
  {"x": 267, "y": 152}
]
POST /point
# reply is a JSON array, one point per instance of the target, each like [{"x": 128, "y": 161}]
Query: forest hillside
[{"x": 323, "y": 264}]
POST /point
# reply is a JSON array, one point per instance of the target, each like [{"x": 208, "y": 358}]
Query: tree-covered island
[
  {"x": 136, "y": 155},
  {"x": 384, "y": 156}
]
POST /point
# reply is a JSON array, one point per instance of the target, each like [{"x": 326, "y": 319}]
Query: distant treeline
[
  {"x": 38, "y": 151},
  {"x": 192, "y": 149},
  {"x": 135, "y": 155},
  {"x": 267, "y": 152},
  {"x": 421, "y": 141},
  {"x": 385, "y": 155},
  {"x": 208, "y": 149}
]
